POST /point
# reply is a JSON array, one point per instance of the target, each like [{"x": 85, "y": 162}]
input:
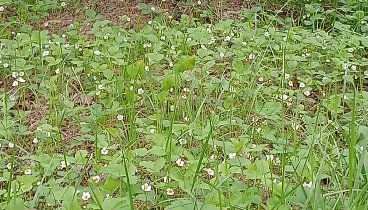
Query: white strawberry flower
[
  {"x": 15, "y": 83},
  {"x": 277, "y": 161},
  {"x": 104, "y": 151},
  {"x": 100, "y": 86},
  {"x": 86, "y": 196},
  {"x": 232, "y": 155},
  {"x": 287, "y": 76},
  {"x": 45, "y": 53},
  {"x": 345, "y": 66},
  {"x": 291, "y": 84},
  {"x": 269, "y": 157},
  {"x": 232, "y": 89},
  {"x": 307, "y": 93},
  {"x": 21, "y": 80},
  {"x": 182, "y": 141},
  {"x": 106, "y": 36},
  {"x": 14, "y": 74},
  {"x": 28, "y": 172},
  {"x": 140, "y": 91},
  {"x": 166, "y": 179},
  {"x": 308, "y": 184},
  {"x": 97, "y": 52},
  {"x": 170, "y": 192},
  {"x": 63, "y": 164},
  {"x": 360, "y": 149},
  {"x": 35, "y": 140},
  {"x": 180, "y": 162},
  {"x": 146, "y": 187},
  {"x": 120, "y": 117},
  {"x": 210, "y": 172},
  {"x": 284, "y": 97},
  {"x": 96, "y": 178}
]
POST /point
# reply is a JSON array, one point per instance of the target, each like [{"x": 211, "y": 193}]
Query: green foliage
[{"x": 263, "y": 112}]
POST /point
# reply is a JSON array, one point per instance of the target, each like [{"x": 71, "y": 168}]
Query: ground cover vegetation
[{"x": 183, "y": 105}]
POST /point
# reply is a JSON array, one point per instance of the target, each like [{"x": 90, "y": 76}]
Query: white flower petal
[
  {"x": 86, "y": 196},
  {"x": 170, "y": 192},
  {"x": 232, "y": 155}
]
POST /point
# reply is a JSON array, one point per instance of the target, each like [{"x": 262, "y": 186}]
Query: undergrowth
[{"x": 188, "y": 111}]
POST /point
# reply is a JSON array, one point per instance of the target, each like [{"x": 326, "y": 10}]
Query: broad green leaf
[
  {"x": 16, "y": 204},
  {"x": 157, "y": 151},
  {"x": 114, "y": 203},
  {"x": 185, "y": 63},
  {"x": 258, "y": 170},
  {"x": 224, "y": 25},
  {"x": 359, "y": 15},
  {"x": 168, "y": 82},
  {"x": 154, "y": 166},
  {"x": 348, "y": 78},
  {"x": 108, "y": 73},
  {"x": 117, "y": 170},
  {"x": 239, "y": 66},
  {"x": 140, "y": 152},
  {"x": 183, "y": 204},
  {"x": 113, "y": 49},
  {"x": 90, "y": 13},
  {"x": 334, "y": 105},
  {"x": 155, "y": 57},
  {"x": 136, "y": 70},
  {"x": 110, "y": 185},
  {"x": 269, "y": 108},
  {"x": 228, "y": 102}
]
